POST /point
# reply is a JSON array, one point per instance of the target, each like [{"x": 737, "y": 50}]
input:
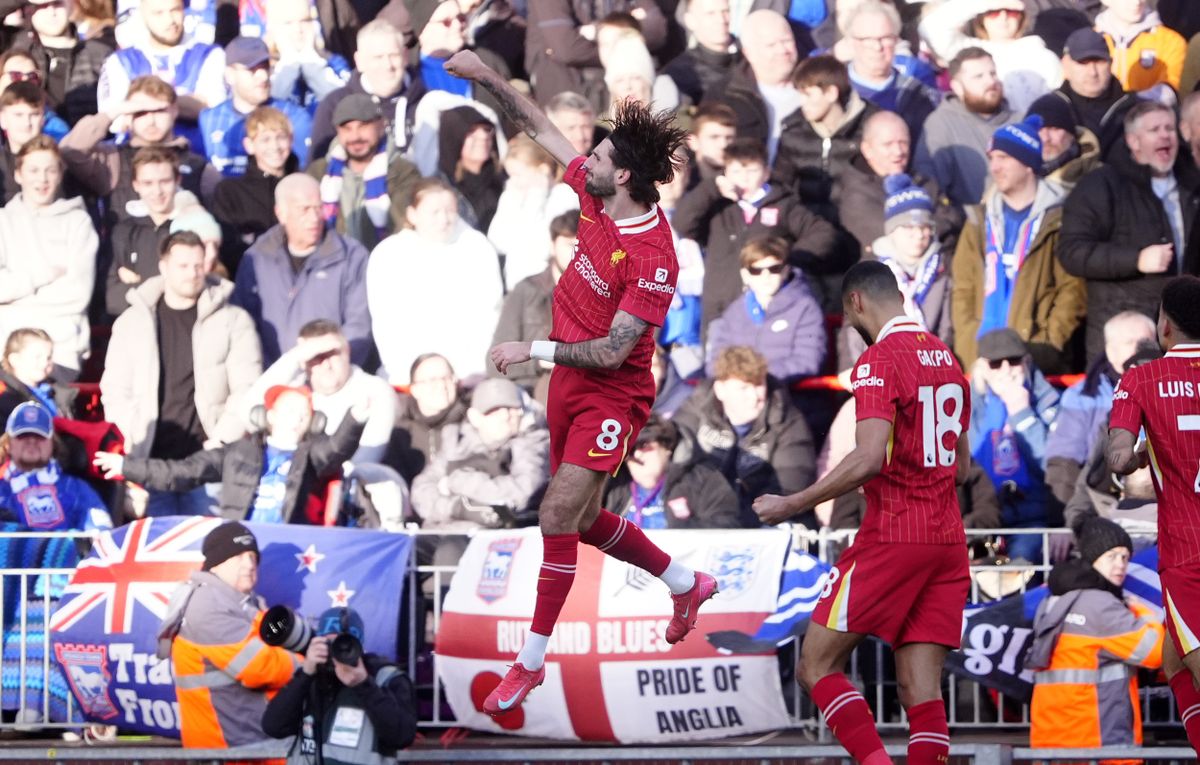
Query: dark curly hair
[
  {"x": 644, "y": 143},
  {"x": 1181, "y": 304}
]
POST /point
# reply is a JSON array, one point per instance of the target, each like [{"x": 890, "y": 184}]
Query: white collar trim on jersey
[
  {"x": 1185, "y": 350},
  {"x": 899, "y": 324},
  {"x": 639, "y": 223}
]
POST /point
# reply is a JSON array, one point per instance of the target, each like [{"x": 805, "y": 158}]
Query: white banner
[{"x": 610, "y": 675}]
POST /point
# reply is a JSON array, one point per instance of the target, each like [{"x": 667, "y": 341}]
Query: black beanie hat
[
  {"x": 227, "y": 541},
  {"x": 419, "y": 13},
  {"x": 1055, "y": 112},
  {"x": 1099, "y": 535}
]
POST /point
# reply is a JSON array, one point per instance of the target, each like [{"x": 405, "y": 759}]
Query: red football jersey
[
  {"x": 911, "y": 379},
  {"x": 1164, "y": 397},
  {"x": 625, "y": 264}
]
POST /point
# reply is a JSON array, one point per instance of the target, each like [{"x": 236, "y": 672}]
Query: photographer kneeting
[{"x": 364, "y": 703}]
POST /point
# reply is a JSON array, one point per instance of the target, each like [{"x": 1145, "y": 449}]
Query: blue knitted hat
[
  {"x": 1021, "y": 142},
  {"x": 907, "y": 204}
]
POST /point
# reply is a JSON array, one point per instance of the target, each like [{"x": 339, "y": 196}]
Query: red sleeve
[
  {"x": 1127, "y": 410},
  {"x": 875, "y": 388},
  {"x": 649, "y": 285},
  {"x": 575, "y": 176}
]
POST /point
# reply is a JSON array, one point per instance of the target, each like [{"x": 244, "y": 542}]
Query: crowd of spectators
[{"x": 282, "y": 239}]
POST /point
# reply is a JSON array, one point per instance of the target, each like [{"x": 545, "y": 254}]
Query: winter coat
[
  {"x": 478, "y": 192},
  {"x": 1103, "y": 115},
  {"x": 1086, "y": 645},
  {"x": 1107, "y": 219},
  {"x": 808, "y": 159},
  {"x": 1150, "y": 55},
  {"x": 559, "y": 58},
  {"x": 331, "y": 285},
  {"x": 695, "y": 495},
  {"x": 224, "y": 674},
  {"x": 791, "y": 334},
  {"x": 777, "y": 455},
  {"x": 13, "y": 392},
  {"x": 72, "y": 75},
  {"x": 483, "y": 487},
  {"x": 698, "y": 70},
  {"x": 238, "y": 467},
  {"x": 402, "y": 175},
  {"x": 245, "y": 208},
  {"x": 1083, "y": 412},
  {"x": 1024, "y": 65},
  {"x": 417, "y": 438},
  {"x": 226, "y": 360},
  {"x": 1066, "y": 171},
  {"x": 419, "y": 293},
  {"x": 135, "y": 243},
  {"x": 525, "y": 315},
  {"x": 1048, "y": 303},
  {"x": 739, "y": 91},
  {"x": 720, "y": 227},
  {"x": 953, "y": 149},
  {"x": 105, "y": 169},
  {"x": 34, "y": 242},
  {"x": 859, "y": 197}
]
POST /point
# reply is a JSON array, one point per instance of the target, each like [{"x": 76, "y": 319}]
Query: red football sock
[
  {"x": 617, "y": 537},
  {"x": 559, "y": 553},
  {"x": 848, "y": 716},
  {"x": 928, "y": 734},
  {"x": 1187, "y": 699}
]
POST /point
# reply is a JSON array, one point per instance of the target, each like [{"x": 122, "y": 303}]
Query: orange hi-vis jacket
[
  {"x": 224, "y": 673},
  {"x": 1087, "y": 694},
  {"x": 1148, "y": 55}
]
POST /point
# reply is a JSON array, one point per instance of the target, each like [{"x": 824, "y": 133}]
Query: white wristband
[{"x": 542, "y": 350}]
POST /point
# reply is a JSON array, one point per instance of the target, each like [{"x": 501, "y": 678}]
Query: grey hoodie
[{"x": 953, "y": 149}]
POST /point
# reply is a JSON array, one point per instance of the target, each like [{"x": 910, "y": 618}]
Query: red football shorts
[
  {"x": 593, "y": 423},
  {"x": 1181, "y": 600},
  {"x": 900, "y": 593}
]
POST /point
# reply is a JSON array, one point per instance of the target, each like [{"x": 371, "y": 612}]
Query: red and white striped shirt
[
  {"x": 1163, "y": 396},
  {"x": 911, "y": 379},
  {"x": 626, "y": 265}
]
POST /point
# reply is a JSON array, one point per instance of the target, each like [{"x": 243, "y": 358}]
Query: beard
[
  {"x": 165, "y": 41},
  {"x": 600, "y": 187},
  {"x": 987, "y": 102}
]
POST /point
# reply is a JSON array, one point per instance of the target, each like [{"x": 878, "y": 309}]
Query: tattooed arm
[
  {"x": 524, "y": 113},
  {"x": 607, "y": 352}
]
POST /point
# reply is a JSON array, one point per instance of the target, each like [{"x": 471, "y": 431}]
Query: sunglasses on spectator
[
  {"x": 775, "y": 269},
  {"x": 460, "y": 18},
  {"x": 1007, "y": 13},
  {"x": 33, "y": 77},
  {"x": 1013, "y": 361}
]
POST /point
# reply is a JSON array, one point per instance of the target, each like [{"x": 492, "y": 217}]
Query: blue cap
[
  {"x": 247, "y": 51},
  {"x": 1021, "y": 142},
  {"x": 30, "y": 418},
  {"x": 330, "y": 622}
]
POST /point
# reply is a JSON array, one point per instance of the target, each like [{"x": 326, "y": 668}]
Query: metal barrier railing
[{"x": 970, "y": 706}]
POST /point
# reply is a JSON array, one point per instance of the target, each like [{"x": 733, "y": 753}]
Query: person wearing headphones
[{"x": 268, "y": 476}]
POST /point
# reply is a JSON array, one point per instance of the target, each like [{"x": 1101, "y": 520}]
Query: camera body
[{"x": 284, "y": 627}]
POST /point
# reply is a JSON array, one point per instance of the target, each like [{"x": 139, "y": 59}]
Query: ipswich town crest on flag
[{"x": 104, "y": 627}]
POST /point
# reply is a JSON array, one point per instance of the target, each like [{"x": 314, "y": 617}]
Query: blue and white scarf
[
  {"x": 998, "y": 285},
  {"x": 375, "y": 188},
  {"x": 915, "y": 287}
]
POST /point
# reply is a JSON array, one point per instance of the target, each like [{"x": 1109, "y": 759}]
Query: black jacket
[
  {"x": 776, "y": 456},
  {"x": 807, "y": 163},
  {"x": 238, "y": 467},
  {"x": 14, "y": 392},
  {"x": 1107, "y": 219},
  {"x": 416, "y": 437},
  {"x": 1103, "y": 115},
  {"x": 859, "y": 197},
  {"x": 191, "y": 173},
  {"x": 697, "y": 71},
  {"x": 739, "y": 91},
  {"x": 71, "y": 75},
  {"x": 135, "y": 243},
  {"x": 245, "y": 207},
  {"x": 695, "y": 494},
  {"x": 392, "y": 707},
  {"x": 718, "y": 224}
]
